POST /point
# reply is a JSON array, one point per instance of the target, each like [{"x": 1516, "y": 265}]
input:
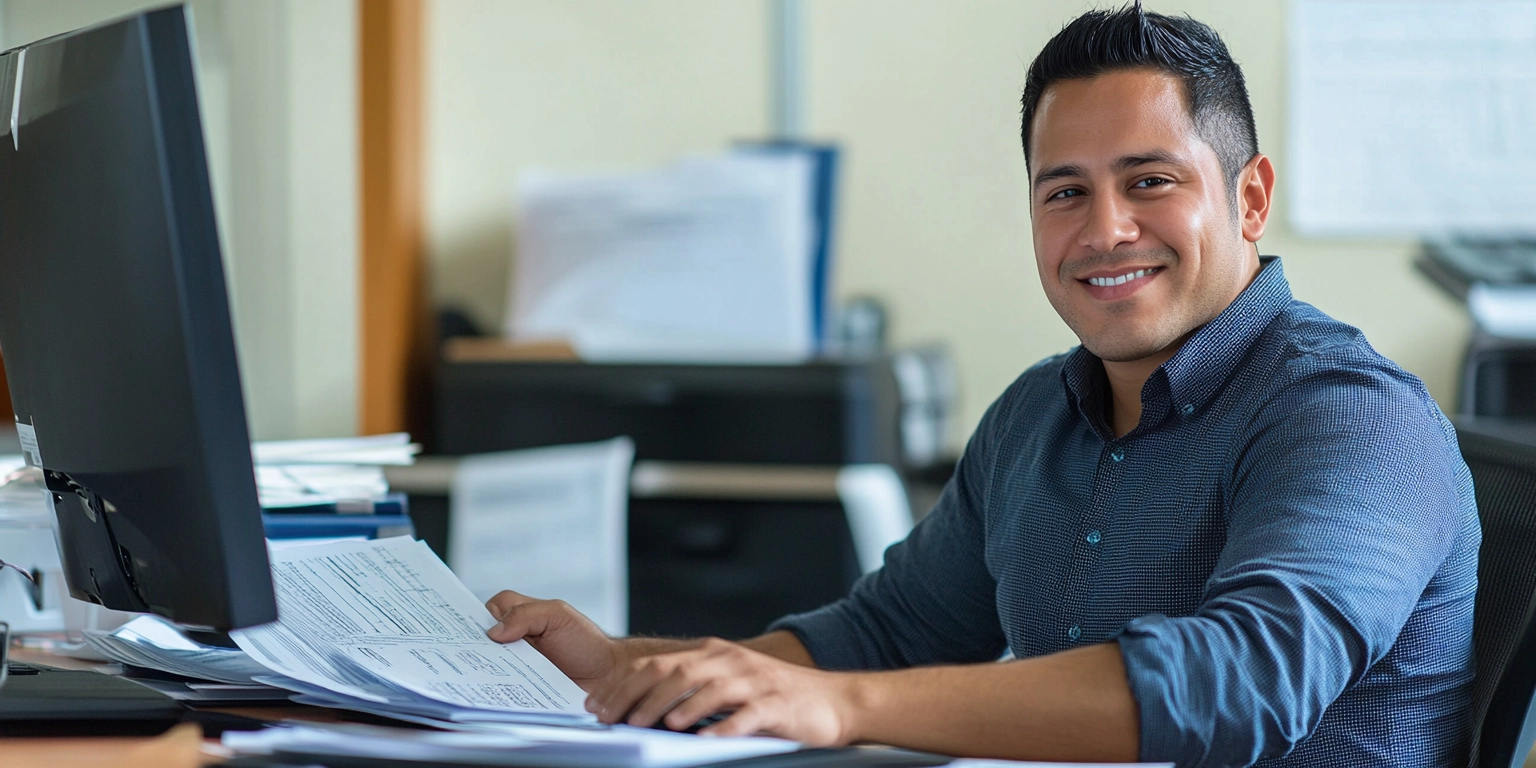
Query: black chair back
[{"x": 1504, "y": 633}]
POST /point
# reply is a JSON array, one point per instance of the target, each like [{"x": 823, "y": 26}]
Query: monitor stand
[{"x": 42, "y": 701}]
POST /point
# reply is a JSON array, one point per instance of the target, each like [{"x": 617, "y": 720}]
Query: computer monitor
[{"x": 115, "y": 325}]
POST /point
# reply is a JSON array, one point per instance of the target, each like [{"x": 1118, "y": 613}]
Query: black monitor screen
[{"x": 115, "y": 326}]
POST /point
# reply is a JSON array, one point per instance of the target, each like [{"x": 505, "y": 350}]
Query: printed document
[
  {"x": 1412, "y": 118},
  {"x": 550, "y": 523},
  {"x": 386, "y": 621}
]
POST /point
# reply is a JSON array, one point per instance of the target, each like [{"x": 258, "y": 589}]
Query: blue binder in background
[
  {"x": 824, "y": 213},
  {"x": 372, "y": 519}
]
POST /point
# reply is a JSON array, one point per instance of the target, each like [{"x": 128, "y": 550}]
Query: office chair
[{"x": 1504, "y": 632}]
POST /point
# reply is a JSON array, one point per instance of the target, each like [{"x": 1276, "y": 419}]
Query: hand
[
  {"x": 568, "y": 639},
  {"x": 767, "y": 695}
]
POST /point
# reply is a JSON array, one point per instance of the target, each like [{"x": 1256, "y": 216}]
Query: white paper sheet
[
  {"x": 549, "y": 523},
  {"x": 1507, "y": 311},
  {"x": 1412, "y": 118},
  {"x": 393, "y": 449},
  {"x": 152, "y": 642},
  {"x": 618, "y": 747},
  {"x": 709, "y": 259},
  {"x": 375, "y": 619}
]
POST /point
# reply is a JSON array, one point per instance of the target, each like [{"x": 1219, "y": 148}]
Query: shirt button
[
  {"x": 1094, "y": 537},
  {"x": 1074, "y": 633},
  {"x": 1188, "y": 409},
  {"x": 1118, "y": 454}
]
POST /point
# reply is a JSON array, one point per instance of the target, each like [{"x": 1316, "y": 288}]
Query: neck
[{"x": 1125, "y": 382}]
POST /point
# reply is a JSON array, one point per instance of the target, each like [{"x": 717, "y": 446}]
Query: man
[{"x": 1223, "y": 531}]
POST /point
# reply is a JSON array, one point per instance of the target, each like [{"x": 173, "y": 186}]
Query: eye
[
  {"x": 1066, "y": 193},
  {"x": 1150, "y": 182}
]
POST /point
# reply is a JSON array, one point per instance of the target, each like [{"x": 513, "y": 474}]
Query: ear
[{"x": 1255, "y": 193}]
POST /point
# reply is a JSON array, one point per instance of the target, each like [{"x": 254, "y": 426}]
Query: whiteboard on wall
[{"x": 1413, "y": 117}]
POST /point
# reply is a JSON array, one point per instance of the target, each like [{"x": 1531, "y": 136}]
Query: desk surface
[{"x": 182, "y": 747}]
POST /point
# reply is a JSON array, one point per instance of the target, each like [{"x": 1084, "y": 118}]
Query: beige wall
[
  {"x": 923, "y": 95},
  {"x": 576, "y": 85},
  {"x": 278, "y": 87}
]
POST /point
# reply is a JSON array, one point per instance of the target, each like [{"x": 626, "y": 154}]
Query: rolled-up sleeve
[
  {"x": 933, "y": 600},
  {"x": 1342, "y": 507}
]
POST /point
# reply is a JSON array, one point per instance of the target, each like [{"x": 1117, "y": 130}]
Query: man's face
[{"x": 1135, "y": 237}]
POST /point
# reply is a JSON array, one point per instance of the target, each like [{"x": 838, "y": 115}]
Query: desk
[{"x": 182, "y": 747}]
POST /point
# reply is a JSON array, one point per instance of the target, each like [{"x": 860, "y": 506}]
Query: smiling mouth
[{"x": 1105, "y": 282}]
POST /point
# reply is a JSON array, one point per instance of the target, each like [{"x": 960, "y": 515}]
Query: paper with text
[
  {"x": 374, "y": 619},
  {"x": 1412, "y": 118},
  {"x": 550, "y": 523}
]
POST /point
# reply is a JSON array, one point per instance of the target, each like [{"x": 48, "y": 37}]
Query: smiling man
[{"x": 1222, "y": 531}]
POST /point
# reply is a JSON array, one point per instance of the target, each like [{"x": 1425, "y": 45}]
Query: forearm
[{"x": 1071, "y": 706}]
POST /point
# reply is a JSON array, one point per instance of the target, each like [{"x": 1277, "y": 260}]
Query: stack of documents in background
[
  {"x": 721, "y": 258},
  {"x": 314, "y": 489}
]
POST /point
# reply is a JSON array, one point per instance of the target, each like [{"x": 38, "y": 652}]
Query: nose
[{"x": 1109, "y": 224}]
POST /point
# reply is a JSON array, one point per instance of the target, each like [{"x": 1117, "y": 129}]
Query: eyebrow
[{"x": 1123, "y": 163}]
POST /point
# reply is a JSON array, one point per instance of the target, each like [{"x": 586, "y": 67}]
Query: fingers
[
  {"x": 528, "y": 619},
  {"x": 660, "y": 684},
  {"x": 618, "y": 698},
  {"x": 749, "y": 720},
  {"x": 714, "y": 696}
]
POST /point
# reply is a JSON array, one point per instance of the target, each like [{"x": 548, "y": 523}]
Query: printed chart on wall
[{"x": 1412, "y": 117}]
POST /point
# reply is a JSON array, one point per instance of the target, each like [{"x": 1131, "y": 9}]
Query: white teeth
[{"x": 1122, "y": 279}]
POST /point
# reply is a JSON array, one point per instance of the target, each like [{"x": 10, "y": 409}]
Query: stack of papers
[
  {"x": 712, "y": 258},
  {"x": 309, "y": 473},
  {"x": 21, "y": 492},
  {"x": 619, "y": 746},
  {"x": 151, "y": 642},
  {"x": 383, "y": 626}
]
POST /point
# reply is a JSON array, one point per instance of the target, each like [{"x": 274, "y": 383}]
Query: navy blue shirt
[{"x": 1285, "y": 547}]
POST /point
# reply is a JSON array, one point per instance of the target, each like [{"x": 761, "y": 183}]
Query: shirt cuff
[{"x": 1161, "y": 691}]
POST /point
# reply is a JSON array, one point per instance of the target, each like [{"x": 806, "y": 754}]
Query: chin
[{"x": 1124, "y": 350}]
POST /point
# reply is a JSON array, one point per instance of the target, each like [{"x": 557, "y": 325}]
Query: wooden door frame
[{"x": 397, "y": 334}]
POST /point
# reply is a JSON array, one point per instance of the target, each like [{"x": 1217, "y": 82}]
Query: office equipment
[
  {"x": 825, "y": 412},
  {"x": 547, "y": 522},
  {"x": 1448, "y": 83},
  {"x": 1502, "y": 457},
  {"x": 710, "y": 259},
  {"x": 1458, "y": 263},
  {"x": 119, "y": 352},
  {"x": 384, "y": 626},
  {"x": 115, "y": 325}
]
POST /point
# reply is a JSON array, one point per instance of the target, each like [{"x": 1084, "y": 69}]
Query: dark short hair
[{"x": 1098, "y": 42}]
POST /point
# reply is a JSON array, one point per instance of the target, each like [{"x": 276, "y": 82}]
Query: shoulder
[
  {"x": 1307, "y": 353},
  {"x": 1320, "y": 379}
]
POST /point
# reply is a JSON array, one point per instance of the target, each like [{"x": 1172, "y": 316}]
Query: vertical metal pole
[{"x": 788, "y": 108}]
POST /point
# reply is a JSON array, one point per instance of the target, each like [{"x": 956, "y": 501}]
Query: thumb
[{"x": 527, "y": 621}]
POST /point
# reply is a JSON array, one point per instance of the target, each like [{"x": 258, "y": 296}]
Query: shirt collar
[{"x": 1189, "y": 379}]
